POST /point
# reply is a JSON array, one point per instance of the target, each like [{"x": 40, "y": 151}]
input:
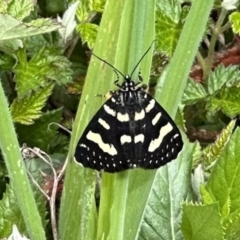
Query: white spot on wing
[
  {"x": 139, "y": 115},
  {"x": 155, "y": 143},
  {"x": 122, "y": 117},
  {"x": 104, "y": 123},
  {"x": 156, "y": 118},
  {"x": 139, "y": 138},
  {"x": 125, "y": 139},
  {"x": 109, "y": 110},
  {"x": 96, "y": 138},
  {"x": 150, "y": 106},
  {"x": 176, "y": 135},
  {"x": 83, "y": 145}
]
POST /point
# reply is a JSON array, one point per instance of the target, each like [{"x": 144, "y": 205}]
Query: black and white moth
[{"x": 130, "y": 130}]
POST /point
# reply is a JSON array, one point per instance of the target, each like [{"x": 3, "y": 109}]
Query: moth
[{"x": 130, "y": 130}]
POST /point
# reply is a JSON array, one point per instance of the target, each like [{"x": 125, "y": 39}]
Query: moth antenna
[
  {"x": 142, "y": 57},
  {"x": 115, "y": 69}
]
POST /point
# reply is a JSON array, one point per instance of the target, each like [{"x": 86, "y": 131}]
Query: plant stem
[{"x": 211, "y": 51}]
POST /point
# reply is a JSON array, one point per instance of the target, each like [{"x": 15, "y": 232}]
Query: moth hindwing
[{"x": 130, "y": 130}]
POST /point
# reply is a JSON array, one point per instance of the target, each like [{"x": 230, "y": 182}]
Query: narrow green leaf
[
  {"x": 132, "y": 30},
  {"x": 17, "y": 172},
  {"x": 174, "y": 79},
  {"x": 202, "y": 222},
  {"x": 211, "y": 153},
  {"x": 26, "y": 110},
  {"x": 194, "y": 92},
  {"x": 11, "y": 28},
  {"x": 78, "y": 195}
]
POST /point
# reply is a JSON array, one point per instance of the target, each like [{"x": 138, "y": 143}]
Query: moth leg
[
  {"x": 117, "y": 80},
  {"x": 140, "y": 79},
  {"x": 107, "y": 95}
]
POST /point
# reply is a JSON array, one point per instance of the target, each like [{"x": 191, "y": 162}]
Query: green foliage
[
  {"x": 213, "y": 151},
  {"x": 12, "y": 28},
  {"x": 221, "y": 92},
  {"x": 202, "y": 222},
  {"x": 223, "y": 185},
  {"x": 194, "y": 92},
  {"x": 17, "y": 9},
  {"x": 46, "y": 65},
  {"x": 235, "y": 20},
  {"x": 39, "y": 70},
  {"x": 26, "y": 110},
  {"x": 86, "y": 12},
  {"x": 39, "y": 134},
  {"x": 10, "y": 213},
  {"x": 162, "y": 212},
  {"x": 169, "y": 23}
]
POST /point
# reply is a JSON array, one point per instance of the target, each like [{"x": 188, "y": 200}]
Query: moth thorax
[{"x": 130, "y": 97}]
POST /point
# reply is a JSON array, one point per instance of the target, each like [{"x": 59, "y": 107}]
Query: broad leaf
[
  {"x": 19, "y": 8},
  {"x": 194, "y": 92},
  {"x": 11, "y": 28},
  {"x": 171, "y": 186},
  {"x": 227, "y": 100},
  {"x": 88, "y": 33},
  {"x": 223, "y": 184},
  {"x": 26, "y": 110},
  {"x": 201, "y": 222},
  {"x": 38, "y": 134},
  {"x": 222, "y": 75},
  {"x": 235, "y": 20},
  {"x": 45, "y": 65},
  {"x": 170, "y": 18}
]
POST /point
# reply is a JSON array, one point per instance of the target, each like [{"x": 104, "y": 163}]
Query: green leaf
[
  {"x": 26, "y": 110},
  {"x": 88, "y": 33},
  {"x": 17, "y": 172},
  {"x": 201, "y": 222},
  {"x": 9, "y": 213},
  {"x": 20, "y": 9},
  {"x": 45, "y": 65},
  {"x": 222, "y": 75},
  {"x": 40, "y": 170},
  {"x": 232, "y": 225},
  {"x": 235, "y": 20},
  {"x": 11, "y": 28},
  {"x": 162, "y": 212},
  {"x": 211, "y": 153},
  {"x": 169, "y": 23},
  {"x": 88, "y": 8},
  {"x": 97, "y": 5},
  {"x": 38, "y": 134},
  {"x": 194, "y": 92},
  {"x": 223, "y": 183},
  {"x": 228, "y": 101},
  {"x": 132, "y": 31}
]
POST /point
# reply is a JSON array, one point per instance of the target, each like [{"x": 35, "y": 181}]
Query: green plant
[{"x": 194, "y": 197}]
